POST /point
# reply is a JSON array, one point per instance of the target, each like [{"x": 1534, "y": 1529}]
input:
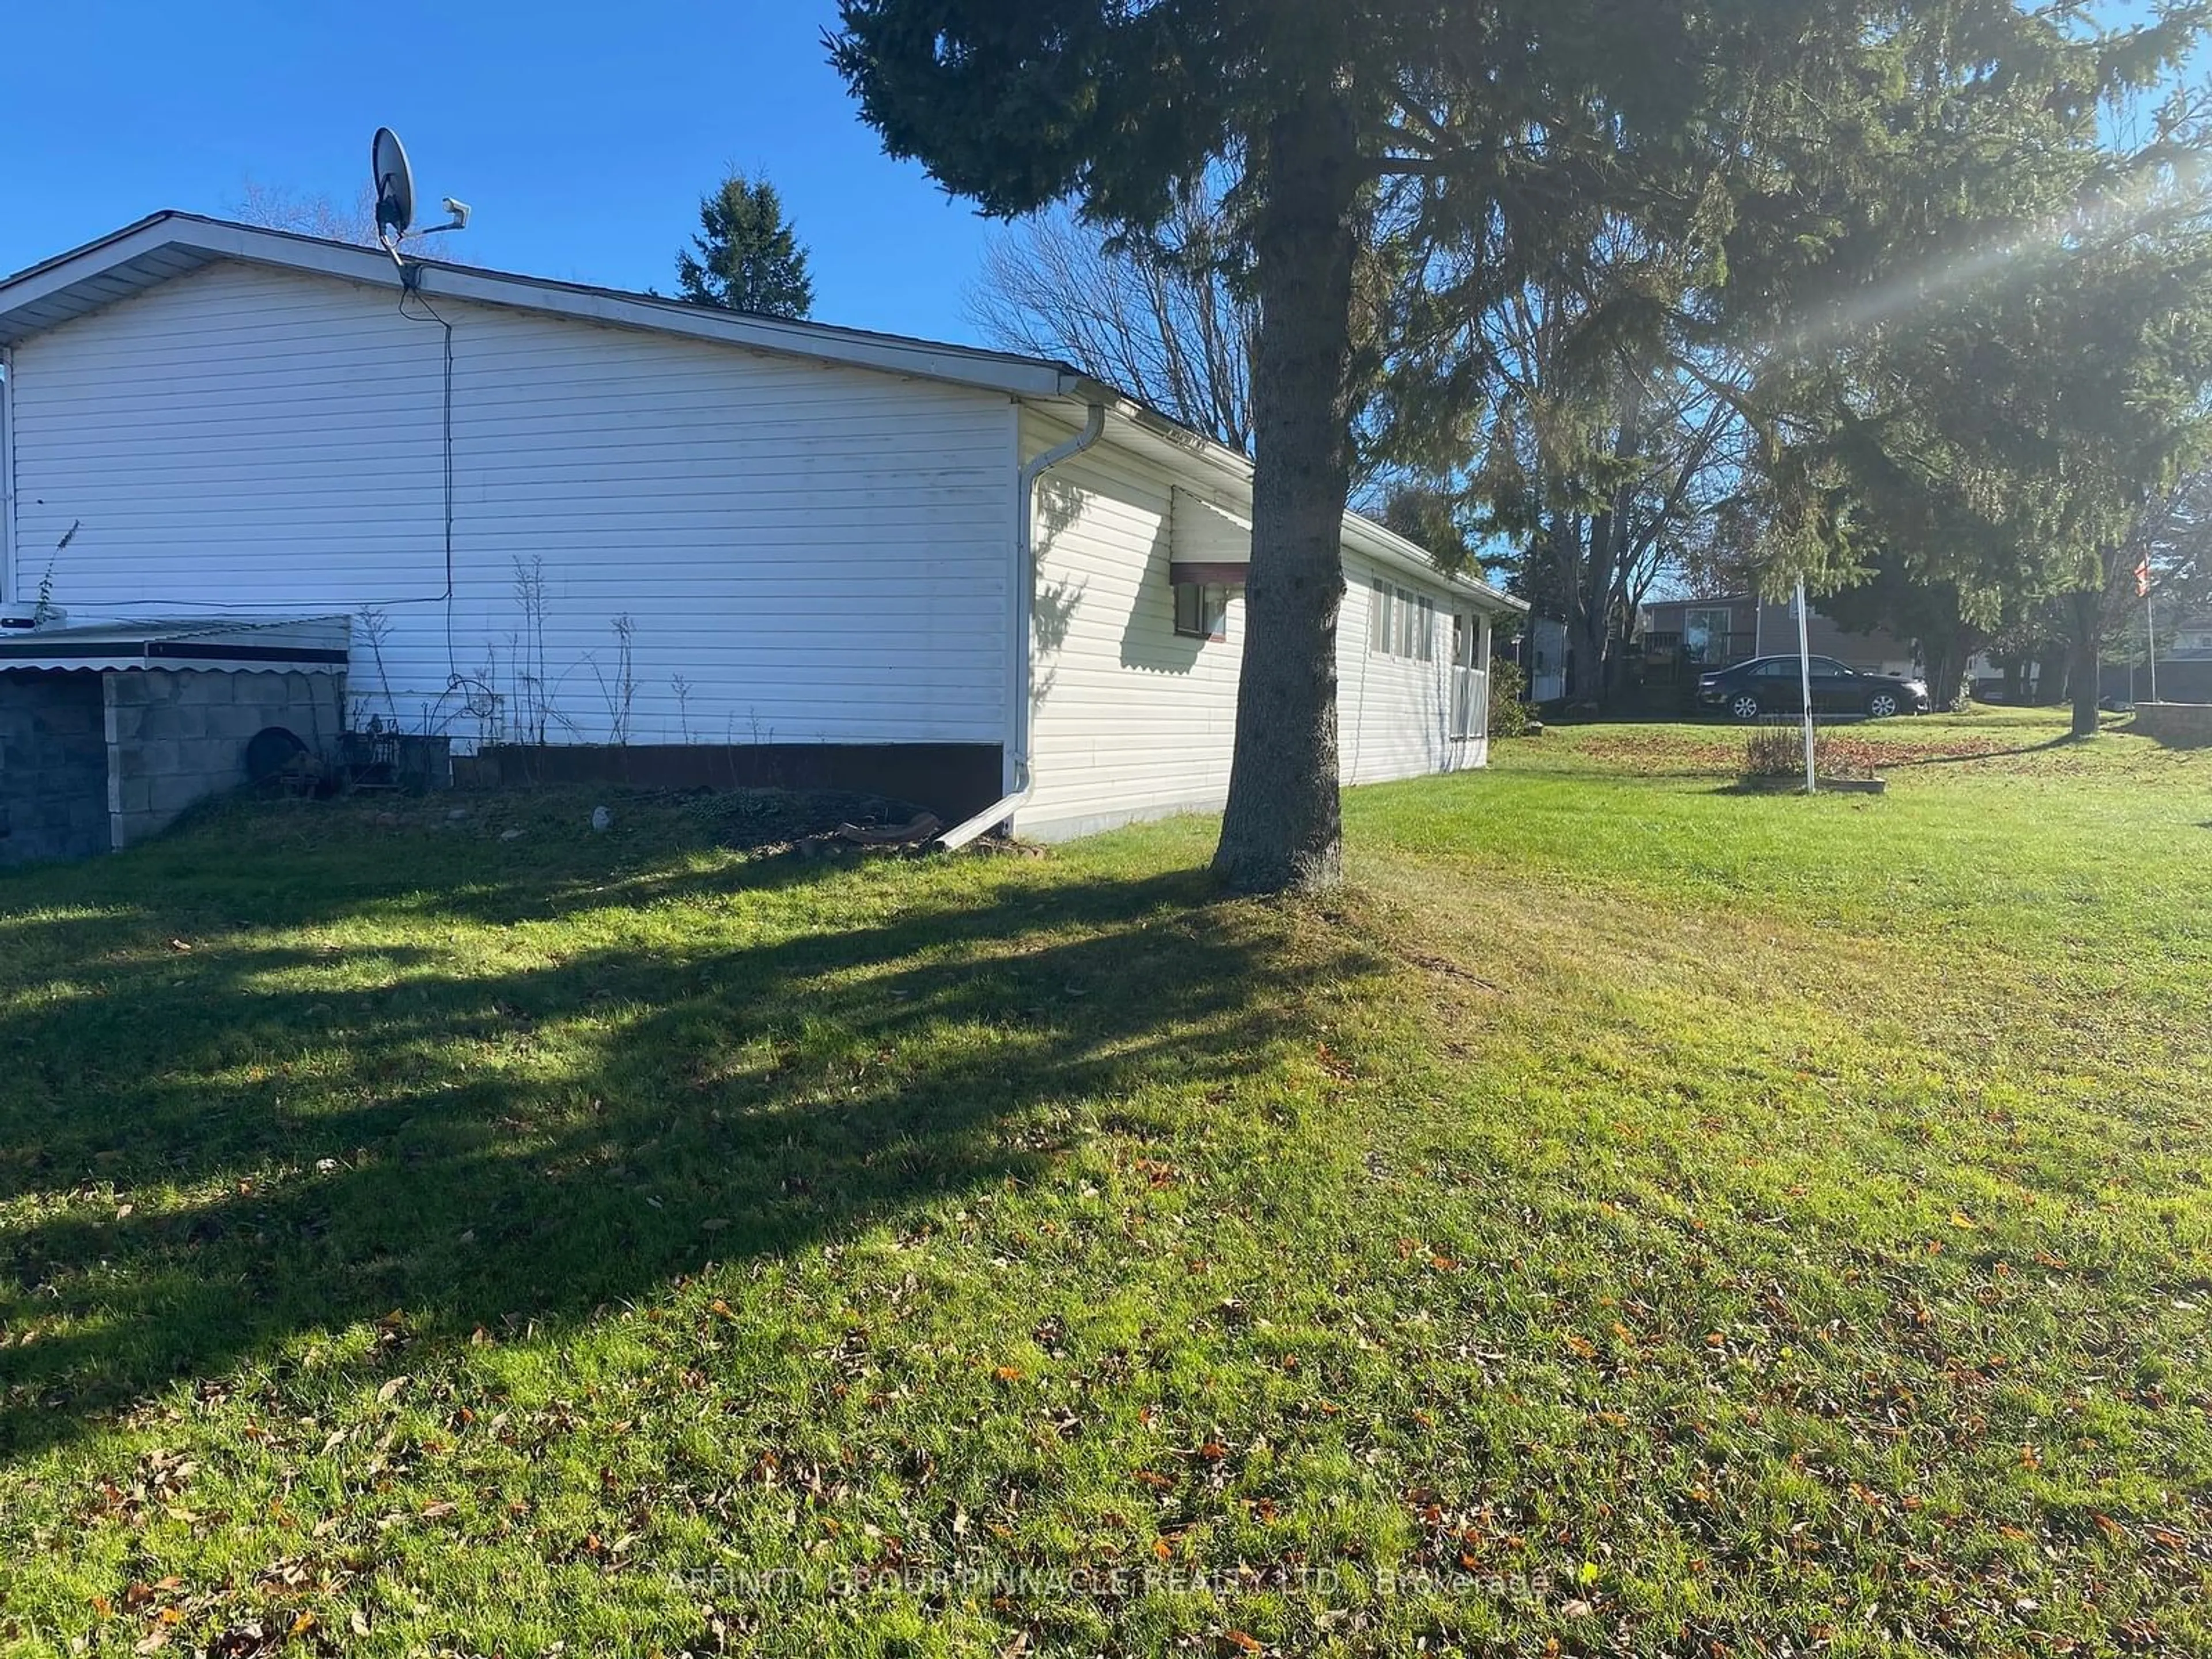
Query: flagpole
[
  {"x": 1805, "y": 686},
  {"x": 2150, "y": 632},
  {"x": 2150, "y": 619}
]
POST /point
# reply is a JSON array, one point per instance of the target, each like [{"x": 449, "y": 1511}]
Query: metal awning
[
  {"x": 1213, "y": 573},
  {"x": 296, "y": 645}
]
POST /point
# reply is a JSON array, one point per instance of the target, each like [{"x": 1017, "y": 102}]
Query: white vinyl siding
[
  {"x": 819, "y": 553},
  {"x": 1133, "y": 720},
  {"x": 1396, "y": 710}
]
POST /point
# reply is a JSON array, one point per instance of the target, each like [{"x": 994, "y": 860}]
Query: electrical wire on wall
[
  {"x": 408, "y": 292},
  {"x": 455, "y": 679}
]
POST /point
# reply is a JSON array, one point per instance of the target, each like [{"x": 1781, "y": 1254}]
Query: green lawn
[{"x": 1638, "y": 1216}]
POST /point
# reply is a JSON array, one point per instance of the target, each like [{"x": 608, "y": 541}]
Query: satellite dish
[{"x": 395, "y": 185}]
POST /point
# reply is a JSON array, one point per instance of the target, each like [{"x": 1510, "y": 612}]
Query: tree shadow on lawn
[
  {"x": 2064, "y": 740},
  {"x": 482, "y": 1149}
]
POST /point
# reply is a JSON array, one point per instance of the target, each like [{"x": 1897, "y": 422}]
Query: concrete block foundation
[
  {"x": 95, "y": 760},
  {"x": 53, "y": 768}
]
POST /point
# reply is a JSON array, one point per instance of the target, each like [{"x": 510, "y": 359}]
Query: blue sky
[{"x": 583, "y": 135}]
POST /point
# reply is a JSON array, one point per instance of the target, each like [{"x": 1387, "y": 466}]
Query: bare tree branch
[
  {"x": 1159, "y": 314},
  {"x": 274, "y": 207}
]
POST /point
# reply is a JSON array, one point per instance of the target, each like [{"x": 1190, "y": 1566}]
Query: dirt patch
[
  {"x": 1853, "y": 751},
  {"x": 769, "y": 820},
  {"x": 1663, "y": 752}
]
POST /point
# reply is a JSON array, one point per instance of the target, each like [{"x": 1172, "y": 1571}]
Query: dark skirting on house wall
[{"x": 952, "y": 780}]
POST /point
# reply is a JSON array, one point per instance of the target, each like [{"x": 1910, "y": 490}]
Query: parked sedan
[{"x": 1772, "y": 685}]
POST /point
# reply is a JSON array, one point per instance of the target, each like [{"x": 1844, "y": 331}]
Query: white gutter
[{"x": 1025, "y": 778}]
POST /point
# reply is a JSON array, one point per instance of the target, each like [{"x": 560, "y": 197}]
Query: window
[
  {"x": 1778, "y": 668},
  {"x": 1202, "y": 610},
  {"x": 1401, "y": 624},
  {"x": 1705, "y": 636}
]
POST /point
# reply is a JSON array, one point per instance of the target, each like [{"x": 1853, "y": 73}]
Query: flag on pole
[{"x": 2142, "y": 578}]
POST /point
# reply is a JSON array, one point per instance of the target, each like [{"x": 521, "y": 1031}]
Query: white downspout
[
  {"x": 7, "y": 474},
  {"x": 1483, "y": 648},
  {"x": 1025, "y": 778}
]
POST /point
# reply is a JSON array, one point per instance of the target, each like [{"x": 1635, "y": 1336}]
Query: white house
[{"x": 564, "y": 515}]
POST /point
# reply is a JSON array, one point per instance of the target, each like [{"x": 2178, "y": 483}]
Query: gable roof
[{"x": 172, "y": 244}]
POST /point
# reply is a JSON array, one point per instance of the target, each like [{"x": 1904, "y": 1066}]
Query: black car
[{"x": 1772, "y": 685}]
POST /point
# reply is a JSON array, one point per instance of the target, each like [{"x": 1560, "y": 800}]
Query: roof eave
[
  {"x": 1364, "y": 534},
  {"x": 166, "y": 243}
]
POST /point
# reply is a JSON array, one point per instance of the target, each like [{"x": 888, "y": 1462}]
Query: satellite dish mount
[{"x": 394, "y": 180}]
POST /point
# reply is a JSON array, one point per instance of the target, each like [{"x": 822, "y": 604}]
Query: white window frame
[
  {"x": 1212, "y": 611},
  {"x": 1400, "y": 623}
]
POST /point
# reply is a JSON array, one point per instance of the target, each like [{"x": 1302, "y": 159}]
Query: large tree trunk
[
  {"x": 1946, "y": 669},
  {"x": 2051, "y": 676},
  {"x": 1608, "y": 539},
  {"x": 1282, "y": 827},
  {"x": 1948, "y": 646},
  {"x": 1586, "y": 658},
  {"x": 2085, "y": 657},
  {"x": 1584, "y": 624}
]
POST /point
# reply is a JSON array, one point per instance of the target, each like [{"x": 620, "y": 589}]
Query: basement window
[{"x": 1202, "y": 610}]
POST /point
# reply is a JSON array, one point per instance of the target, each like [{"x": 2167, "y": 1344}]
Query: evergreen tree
[
  {"x": 746, "y": 257},
  {"x": 1490, "y": 144}
]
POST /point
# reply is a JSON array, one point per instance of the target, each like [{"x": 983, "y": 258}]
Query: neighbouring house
[
  {"x": 2184, "y": 674},
  {"x": 1544, "y": 659},
  {"x": 1679, "y": 639},
  {"x": 650, "y": 540},
  {"x": 2192, "y": 641}
]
